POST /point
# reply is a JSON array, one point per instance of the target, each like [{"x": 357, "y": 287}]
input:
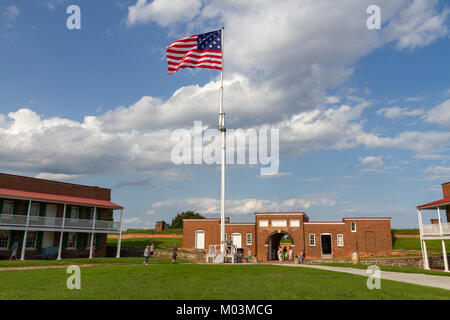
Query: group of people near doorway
[
  {"x": 150, "y": 251},
  {"x": 288, "y": 255}
]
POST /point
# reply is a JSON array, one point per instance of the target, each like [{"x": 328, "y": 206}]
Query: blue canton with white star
[{"x": 210, "y": 41}]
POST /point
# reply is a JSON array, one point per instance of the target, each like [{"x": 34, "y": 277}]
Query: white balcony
[
  {"x": 50, "y": 223},
  {"x": 434, "y": 229}
]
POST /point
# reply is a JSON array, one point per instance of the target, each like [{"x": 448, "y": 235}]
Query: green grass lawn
[
  {"x": 388, "y": 268},
  {"x": 160, "y": 243},
  {"x": 403, "y": 231},
  {"x": 414, "y": 244},
  {"x": 190, "y": 281},
  {"x": 153, "y": 231},
  {"x": 81, "y": 261}
]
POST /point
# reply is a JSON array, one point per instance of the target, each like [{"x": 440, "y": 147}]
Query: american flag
[{"x": 197, "y": 51}]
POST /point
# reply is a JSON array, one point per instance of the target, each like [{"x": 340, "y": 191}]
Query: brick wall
[
  {"x": 446, "y": 189},
  {"x": 53, "y": 187},
  {"x": 211, "y": 227},
  {"x": 243, "y": 229},
  {"x": 333, "y": 229},
  {"x": 263, "y": 234},
  {"x": 372, "y": 237}
]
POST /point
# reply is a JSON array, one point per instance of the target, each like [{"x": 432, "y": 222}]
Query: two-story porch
[
  {"x": 438, "y": 229},
  {"x": 72, "y": 226}
]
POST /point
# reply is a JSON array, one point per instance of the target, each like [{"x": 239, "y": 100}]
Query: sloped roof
[{"x": 28, "y": 195}]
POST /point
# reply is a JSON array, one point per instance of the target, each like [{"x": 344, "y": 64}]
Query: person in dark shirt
[{"x": 174, "y": 253}]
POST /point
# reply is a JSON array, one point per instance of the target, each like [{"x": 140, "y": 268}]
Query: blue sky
[{"x": 364, "y": 115}]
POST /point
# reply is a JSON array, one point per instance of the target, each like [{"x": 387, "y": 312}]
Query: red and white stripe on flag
[{"x": 197, "y": 51}]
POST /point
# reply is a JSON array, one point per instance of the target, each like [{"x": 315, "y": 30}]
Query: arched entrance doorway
[{"x": 275, "y": 240}]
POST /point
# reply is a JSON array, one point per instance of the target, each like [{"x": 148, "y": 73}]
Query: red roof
[
  {"x": 57, "y": 198},
  {"x": 435, "y": 204},
  {"x": 279, "y": 212},
  {"x": 367, "y": 218}
]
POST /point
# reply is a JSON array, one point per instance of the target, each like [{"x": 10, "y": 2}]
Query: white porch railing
[
  {"x": 434, "y": 230},
  {"x": 53, "y": 222}
]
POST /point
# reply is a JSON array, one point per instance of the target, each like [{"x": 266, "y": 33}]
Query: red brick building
[
  {"x": 367, "y": 236},
  {"x": 50, "y": 218},
  {"x": 160, "y": 226}
]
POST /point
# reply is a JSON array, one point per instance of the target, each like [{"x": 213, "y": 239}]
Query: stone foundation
[
  {"x": 194, "y": 256},
  {"x": 436, "y": 262}
]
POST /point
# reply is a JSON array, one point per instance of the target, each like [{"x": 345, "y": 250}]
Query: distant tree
[{"x": 177, "y": 222}]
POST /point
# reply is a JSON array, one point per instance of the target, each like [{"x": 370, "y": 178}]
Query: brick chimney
[
  {"x": 446, "y": 189},
  {"x": 446, "y": 192}
]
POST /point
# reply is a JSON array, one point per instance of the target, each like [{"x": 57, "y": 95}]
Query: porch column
[
  {"x": 62, "y": 232},
  {"x": 92, "y": 233},
  {"x": 439, "y": 219},
  {"x": 24, "y": 244},
  {"x": 444, "y": 253},
  {"x": 119, "y": 241},
  {"x": 419, "y": 216},
  {"x": 426, "y": 265}
]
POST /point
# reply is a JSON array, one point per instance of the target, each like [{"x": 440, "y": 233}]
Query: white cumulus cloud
[{"x": 245, "y": 206}]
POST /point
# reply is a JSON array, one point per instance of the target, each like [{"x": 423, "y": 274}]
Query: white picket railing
[
  {"x": 53, "y": 222},
  {"x": 434, "y": 230}
]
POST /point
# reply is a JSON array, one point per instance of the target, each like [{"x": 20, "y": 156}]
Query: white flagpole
[{"x": 223, "y": 131}]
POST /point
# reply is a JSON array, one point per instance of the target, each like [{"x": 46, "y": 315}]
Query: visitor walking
[
  {"x": 301, "y": 257},
  {"x": 290, "y": 253},
  {"x": 284, "y": 253},
  {"x": 280, "y": 254},
  {"x": 14, "y": 249},
  {"x": 174, "y": 254},
  {"x": 146, "y": 255}
]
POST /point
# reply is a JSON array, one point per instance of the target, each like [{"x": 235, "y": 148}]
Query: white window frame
[
  {"x": 263, "y": 223},
  {"x": 294, "y": 223},
  {"x": 10, "y": 205},
  {"x": 279, "y": 223},
  {"x": 2, "y": 240},
  {"x": 247, "y": 237},
  {"x": 69, "y": 243},
  {"x": 31, "y": 236},
  {"x": 236, "y": 233},
  {"x": 34, "y": 210},
  {"x": 204, "y": 239},
  {"x": 72, "y": 213},
  {"x": 353, "y": 223},
  {"x": 313, "y": 243},
  {"x": 340, "y": 240},
  {"x": 91, "y": 213}
]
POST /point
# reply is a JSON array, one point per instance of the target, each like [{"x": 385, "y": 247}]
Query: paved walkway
[{"x": 442, "y": 282}]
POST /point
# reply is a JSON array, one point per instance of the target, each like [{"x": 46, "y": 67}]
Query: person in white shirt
[{"x": 146, "y": 255}]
